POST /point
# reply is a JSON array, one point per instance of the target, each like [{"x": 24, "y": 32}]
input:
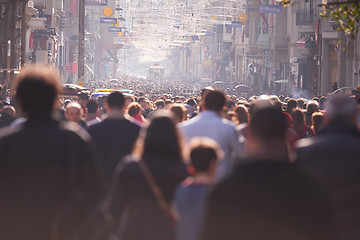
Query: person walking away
[
  {"x": 334, "y": 155},
  {"x": 267, "y": 197},
  {"x": 209, "y": 124},
  {"x": 93, "y": 113},
  {"x": 115, "y": 136},
  {"x": 135, "y": 111},
  {"x": 311, "y": 107},
  {"x": 83, "y": 99},
  {"x": 301, "y": 129},
  {"x": 42, "y": 162},
  {"x": 190, "y": 197},
  {"x": 134, "y": 200}
]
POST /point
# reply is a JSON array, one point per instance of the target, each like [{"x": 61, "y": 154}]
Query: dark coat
[
  {"x": 334, "y": 157},
  {"x": 35, "y": 159},
  {"x": 134, "y": 204},
  {"x": 114, "y": 138},
  {"x": 267, "y": 200}
]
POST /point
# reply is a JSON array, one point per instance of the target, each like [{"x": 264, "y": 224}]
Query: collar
[
  {"x": 269, "y": 154},
  {"x": 115, "y": 114},
  {"x": 208, "y": 113}
]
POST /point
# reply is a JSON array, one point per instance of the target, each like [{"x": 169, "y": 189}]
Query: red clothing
[
  {"x": 139, "y": 118},
  {"x": 288, "y": 118},
  {"x": 305, "y": 132}
]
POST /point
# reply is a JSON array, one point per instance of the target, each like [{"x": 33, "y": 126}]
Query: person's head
[
  {"x": 161, "y": 137},
  {"x": 66, "y": 102},
  {"x": 37, "y": 89},
  {"x": 316, "y": 99},
  {"x": 300, "y": 103},
  {"x": 298, "y": 119},
  {"x": 134, "y": 108},
  {"x": 318, "y": 121},
  {"x": 230, "y": 105},
  {"x": 241, "y": 114},
  {"x": 204, "y": 153},
  {"x": 278, "y": 105},
  {"x": 291, "y": 105},
  {"x": 282, "y": 98},
  {"x": 267, "y": 129},
  {"x": 179, "y": 111},
  {"x": 73, "y": 112},
  {"x": 83, "y": 99},
  {"x": 311, "y": 107},
  {"x": 9, "y": 110},
  {"x": 191, "y": 102},
  {"x": 128, "y": 99},
  {"x": 116, "y": 101},
  {"x": 214, "y": 100},
  {"x": 92, "y": 106},
  {"x": 341, "y": 108},
  {"x": 148, "y": 105},
  {"x": 160, "y": 104},
  {"x": 168, "y": 104},
  {"x": 205, "y": 91},
  {"x": 323, "y": 102},
  {"x": 142, "y": 101}
]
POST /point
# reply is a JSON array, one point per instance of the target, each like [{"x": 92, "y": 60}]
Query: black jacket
[
  {"x": 35, "y": 163},
  {"x": 267, "y": 200},
  {"x": 114, "y": 138},
  {"x": 333, "y": 156},
  {"x": 134, "y": 205}
]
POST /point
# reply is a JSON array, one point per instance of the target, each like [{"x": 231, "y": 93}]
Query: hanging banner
[
  {"x": 108, "y": 20},
  {"x": 114, "y": 29},
  {"x": 74, "y": 7},
  {"x": 96, "y": 2}
]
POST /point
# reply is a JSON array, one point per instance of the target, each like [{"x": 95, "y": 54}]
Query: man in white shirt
[{"x": 209, "y": 124}]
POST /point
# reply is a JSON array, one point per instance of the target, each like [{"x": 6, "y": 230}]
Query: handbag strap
[{"x": 155, "y": 189}]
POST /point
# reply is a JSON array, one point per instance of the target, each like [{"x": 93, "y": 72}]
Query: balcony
[{"x": 304, "y": 17}]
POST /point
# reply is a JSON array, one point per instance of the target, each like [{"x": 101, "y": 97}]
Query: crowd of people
[{"x": 182, "y": 165}]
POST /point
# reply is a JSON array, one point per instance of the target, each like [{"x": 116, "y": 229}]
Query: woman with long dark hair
[
  {"x": 299, "y": 125},
  {"x": 143, "y": 188}
]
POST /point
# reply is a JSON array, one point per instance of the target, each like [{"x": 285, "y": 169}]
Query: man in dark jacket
[
  {"x": 267, "y": 198},
  {"x": 43, "y": 164},
  {"x": 333, "y": 155},
  {"x": 115, "y": 136}
]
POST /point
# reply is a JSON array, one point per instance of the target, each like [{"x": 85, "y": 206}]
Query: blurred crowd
[{"x": 176, "y": 161}]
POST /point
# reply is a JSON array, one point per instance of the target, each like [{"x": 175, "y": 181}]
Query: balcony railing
[{"x": 304, "y": 17}]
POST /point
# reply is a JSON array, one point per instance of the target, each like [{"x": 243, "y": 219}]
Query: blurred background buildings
[{"x": 256, "y": 42}]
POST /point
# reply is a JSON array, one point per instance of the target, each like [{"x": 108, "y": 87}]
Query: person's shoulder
[
  {"x": 228, "y": 123},
  {"x": 226, "y": 184},
  {"x": 75, "y": 130},
  {"x": 189, "y": 122},
  {"x": 128, "y": 166},
  {"x": 133, "y": 123},
  {"x": 10, "y": 131},
  {"x": 307, "y": 142}
]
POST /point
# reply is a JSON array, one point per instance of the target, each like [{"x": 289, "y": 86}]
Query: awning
[{"x": 305, "y": 42}]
